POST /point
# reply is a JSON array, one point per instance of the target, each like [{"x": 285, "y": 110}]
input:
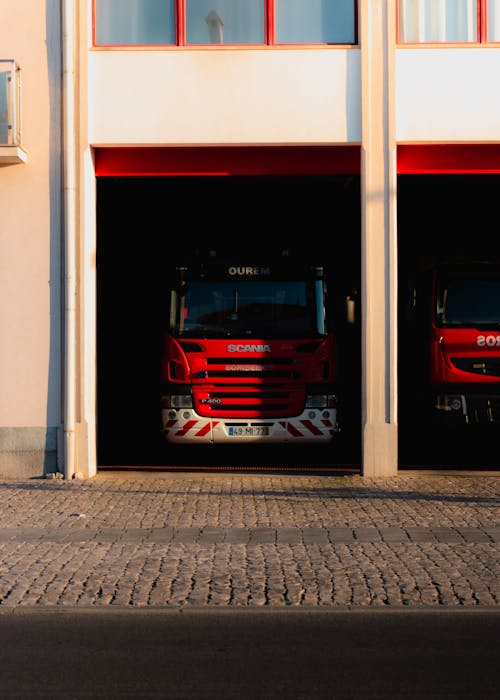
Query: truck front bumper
[
  {"x": 311, "y": 426},
  {"x": 455, "y": 408}
]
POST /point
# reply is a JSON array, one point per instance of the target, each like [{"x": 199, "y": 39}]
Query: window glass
[
  {"x": 4, "y": 108},
  {"x": 469, "y": 297},
  {"x": 435, "y": 21},
  {"x": 225, "y": 22},
  {"x": 140, "y": 22},
  {"x": 494, "y": 20},
  {"x": 472, "y": 302},
  {"x": 315, "y": 21},
  {"x": 238, "y": 308}
]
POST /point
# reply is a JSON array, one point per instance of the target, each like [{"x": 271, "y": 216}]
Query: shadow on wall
[{"x": 28, "y": 452}]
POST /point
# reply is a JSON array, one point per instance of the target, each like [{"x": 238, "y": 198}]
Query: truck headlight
[
  {"x": 451, "y": 402},
  {"x": 178, "y": 401},
  {"x": 321, "y": 401}
]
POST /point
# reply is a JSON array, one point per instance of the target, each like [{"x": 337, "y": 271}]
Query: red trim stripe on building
[
  {"x": 227, "y": 160},
  {"x": 451, "y": 159},
  {"x": 414, "y": 159}
]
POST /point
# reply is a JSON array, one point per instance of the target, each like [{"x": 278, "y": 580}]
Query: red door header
[
  {"x": 290, "y": 160},
  {"x": 228, "y": 160},
  {"x": 453, "y": 159}
]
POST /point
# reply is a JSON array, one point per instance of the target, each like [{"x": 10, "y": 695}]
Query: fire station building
[{"x": 131, "y": 128}]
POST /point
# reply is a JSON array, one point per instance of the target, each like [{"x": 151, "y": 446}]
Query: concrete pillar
[
  {"x": 378, "y": 244},
  {"x": 80, "y": 247}
]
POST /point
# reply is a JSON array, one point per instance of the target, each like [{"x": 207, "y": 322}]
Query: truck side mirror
[{"x": 351, "y": 302}]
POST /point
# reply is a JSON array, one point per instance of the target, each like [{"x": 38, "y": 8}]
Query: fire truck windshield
[
  {"x": 469, "y": 302},
  {"x": 248, "y": 308}
]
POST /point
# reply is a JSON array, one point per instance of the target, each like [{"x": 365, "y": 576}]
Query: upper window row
[
  {"x": 188, "y": 22},
  {"x": 275, "y": 22}
]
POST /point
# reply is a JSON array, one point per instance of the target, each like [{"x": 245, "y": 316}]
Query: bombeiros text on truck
[{"x": 248, "y": 355}]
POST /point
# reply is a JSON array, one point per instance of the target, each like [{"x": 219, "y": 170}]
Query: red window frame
[
  {"x": 482, "y": 30},
  {"x": 180, "y": 32}
]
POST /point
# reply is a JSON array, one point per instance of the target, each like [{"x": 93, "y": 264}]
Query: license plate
[{"x": 243, "y": 431}]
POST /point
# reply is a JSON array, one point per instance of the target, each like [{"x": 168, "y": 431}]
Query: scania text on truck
[
  {"x": 464, "y": 340},
  {"x": 248, "y": 356}
]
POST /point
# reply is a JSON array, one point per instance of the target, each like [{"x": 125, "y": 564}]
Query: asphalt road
[{"x": 54, "y": 654}]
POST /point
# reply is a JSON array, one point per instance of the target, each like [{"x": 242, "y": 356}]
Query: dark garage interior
[
  {"x": 145, "y": 224},
  {"x": 439, "y": 216}
]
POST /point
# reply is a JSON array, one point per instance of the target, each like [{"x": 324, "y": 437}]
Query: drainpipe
[{"x": 69, "y": 224}]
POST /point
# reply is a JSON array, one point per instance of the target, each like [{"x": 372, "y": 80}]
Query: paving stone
[
  {"x": 447, "y": 534},
  {"x": 420, "y": 534},
  {"x": 288, "y": 535},
  {"x": 160, "y": 534},
  {"x": 237, "y": 535},
  {"x": 473, "y": 535},
  {"x": 493, "y": 533},
  {"x": 340, "y": 534},
  {"x": 262, "y": 535},
  {"x": 314, "y": 535},
  {"x": 366, "y": 534},
  {"x": 186, "y": 535},
  {"x": 393, "y": 534}
]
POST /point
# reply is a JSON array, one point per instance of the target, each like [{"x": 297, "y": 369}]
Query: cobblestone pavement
[{"x": 167, "y": 539}]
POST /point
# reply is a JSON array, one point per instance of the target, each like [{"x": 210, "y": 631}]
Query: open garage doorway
[
  {"x": 439, "y": 217},
  {"x": 145, "y": 224}
]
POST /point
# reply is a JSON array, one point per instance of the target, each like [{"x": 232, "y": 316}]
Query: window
[
  {"x": 4, "y": 108},
  {"x": 493, "y": 21},
  {"x": 129, "y": 22},
  {"x": 472, "y": 302},
  {"x": 242, "y": 309},
  {"x": 469, "y": 296},
  {"x": 449, "y": 21},
  {"x": 228, "y": 22}
]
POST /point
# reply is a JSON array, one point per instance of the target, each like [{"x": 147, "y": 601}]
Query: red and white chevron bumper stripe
[
  {"x": 306, "y": 428},
  {"x": 196, "y": 428}
]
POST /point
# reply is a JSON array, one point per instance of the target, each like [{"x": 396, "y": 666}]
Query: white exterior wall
[
  {"x": 224, "y": 97},
  {"x": 447, "y": 95},
  {"x": 30, "y": 272},
  {"x": 195, "y": 97},
  {"x": 443, "y": 95}
]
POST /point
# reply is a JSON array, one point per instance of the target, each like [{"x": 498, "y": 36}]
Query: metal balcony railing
[
  {"x": 11, "y": 150},
  {"x": 10, "y": 103}
]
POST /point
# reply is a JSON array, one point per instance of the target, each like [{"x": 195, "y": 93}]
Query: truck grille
[
  {"x": 282, "y": 368},
  {"x": 241, "y": 373},
  {"x": 489, "y": 366},
  {"x": 239, "y": 401}
]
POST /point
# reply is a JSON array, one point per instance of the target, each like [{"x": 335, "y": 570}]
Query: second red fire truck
[{"x": 459, "y": 302}]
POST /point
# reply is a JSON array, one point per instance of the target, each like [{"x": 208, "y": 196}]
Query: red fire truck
[
  {"x": 464, "y": 341},
  {"x": 248, "y": 356}
]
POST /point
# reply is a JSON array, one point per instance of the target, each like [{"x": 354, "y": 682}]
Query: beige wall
[
  {"x": 305, "y": 96},
  {"x": 218, "y": 97},
  {"x": 30, "y": 272},
  {"x": 447, "y": 95}
]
